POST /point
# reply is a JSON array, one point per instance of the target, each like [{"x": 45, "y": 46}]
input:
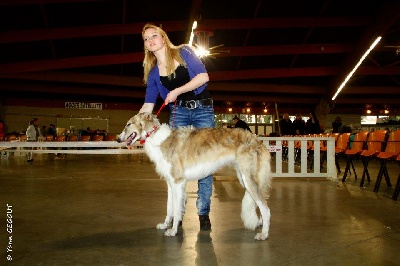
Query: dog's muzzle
[{"x": 131, "y": 138}]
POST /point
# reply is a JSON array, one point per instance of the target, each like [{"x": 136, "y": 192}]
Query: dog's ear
[{"x": 147, "y": 116}]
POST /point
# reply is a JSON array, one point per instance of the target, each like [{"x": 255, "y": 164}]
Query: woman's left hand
[{"x": 171, "y": 97}]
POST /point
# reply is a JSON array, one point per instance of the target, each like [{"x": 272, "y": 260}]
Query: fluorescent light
[
  {"x": 355, "y": 68},
  {"x": 191, "y": 33}
]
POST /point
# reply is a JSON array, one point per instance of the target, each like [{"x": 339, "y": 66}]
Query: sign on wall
[{"x": 78, "y": 105}]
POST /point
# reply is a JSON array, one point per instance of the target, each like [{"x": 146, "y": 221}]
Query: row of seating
[
  {"x": 370, "y": 145},
  {"x": 22, "y": 137},
  {"x": 366, "y": 145}
]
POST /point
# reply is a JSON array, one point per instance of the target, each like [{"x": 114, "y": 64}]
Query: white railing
[
  {"x": 291, "y": 156},
  {"x": 298, "y": 159},
  {"x": 68, "y": 147}
]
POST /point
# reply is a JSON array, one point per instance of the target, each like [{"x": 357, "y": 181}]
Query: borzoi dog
[{"x": 187, "y": 154}]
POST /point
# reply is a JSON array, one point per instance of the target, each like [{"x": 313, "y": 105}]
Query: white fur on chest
[{"x": 153, "y": 150}]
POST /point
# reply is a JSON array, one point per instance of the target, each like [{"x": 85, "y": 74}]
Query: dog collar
[{"x": 148, "y": 135}]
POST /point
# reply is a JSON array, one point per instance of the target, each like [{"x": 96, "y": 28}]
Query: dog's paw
[
  {"x": 162, "y": 226},
  {"x": 261, "y": 236},
  {"x": 170, "y": 232}
]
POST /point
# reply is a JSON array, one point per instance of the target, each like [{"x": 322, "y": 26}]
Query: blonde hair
[{"x": 171, "y": 54}]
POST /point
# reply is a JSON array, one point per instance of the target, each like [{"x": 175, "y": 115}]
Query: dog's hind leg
[
  {"x": 251, "y": 198},
  {"x": 178, "y": 196},
  {"x": 170, "y": 215},
  {"x": 266, "y": 217}
]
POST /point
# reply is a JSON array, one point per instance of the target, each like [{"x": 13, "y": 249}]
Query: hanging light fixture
[{"x": 202, "y": 43}]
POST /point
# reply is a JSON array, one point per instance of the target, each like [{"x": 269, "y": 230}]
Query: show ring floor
[{"x": 103, "y": 209}]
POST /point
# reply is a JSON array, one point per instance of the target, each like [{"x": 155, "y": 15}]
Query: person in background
[
  {"x": 312, "y": 124},
  {"x": 33, "y": 134},
  {"x": 177, "y": 75},
  {"x": 43, "y": 131},
  {"x": 286, "y": 125},
  {"x": 299, "y": 126},
  {"x": 52, "y": 130},
  {"x": 336, "y": 124},
  {"x": 240, "y": 123}
]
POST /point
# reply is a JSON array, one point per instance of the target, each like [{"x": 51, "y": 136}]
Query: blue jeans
[{"x": 200, "y": 117}]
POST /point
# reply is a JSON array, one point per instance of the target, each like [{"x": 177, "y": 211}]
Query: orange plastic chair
[
  {"x": 49, "y": 138},
  {"x": 332, "y": 135},
  {"x": 357, "y": 146},
  {"x": 373, "y": 148},
  {"x": 112, "y": 137},
  {"x": 342, "y": 145},
  {"x": 392, "y": 151},
  {"x": 11, "y": 137},
  {"x": 397, "y": 187},
  {"x": 322, "y": 148},
  {"x": 85, "y": 138},
  {"x": 73, "y": 138},
  {"x": 22, "y": 137},
  {"x": 61, "y": 138},
  {"x": 98, "y": 138}
]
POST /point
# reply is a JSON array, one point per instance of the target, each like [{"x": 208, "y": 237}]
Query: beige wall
[{"x": 16, "y": 118}]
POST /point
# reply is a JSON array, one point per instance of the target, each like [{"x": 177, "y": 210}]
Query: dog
[{"x": 188, "y": 154}]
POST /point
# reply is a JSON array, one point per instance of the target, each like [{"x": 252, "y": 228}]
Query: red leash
[
  {"x": 162, "y": 107},
  {"x": 155, "y": 128}
]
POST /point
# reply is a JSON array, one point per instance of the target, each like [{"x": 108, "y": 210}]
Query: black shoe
[
  {"x": 30, "y": 160},
  {"x": 205, "y": 224}
]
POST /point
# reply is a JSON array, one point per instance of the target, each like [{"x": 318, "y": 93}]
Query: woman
[
  {"x": 33, "y": 134},
  {"x": 286, "y": 125},
  {"x": 299, "y": 125},
  {"x": 177, "y": 75},
  {"x": 312, "y": 124},
  {"x": 336, "y": 124}
]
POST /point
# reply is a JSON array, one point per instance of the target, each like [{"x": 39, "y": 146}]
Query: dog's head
[{"x": 137, "y": 128}]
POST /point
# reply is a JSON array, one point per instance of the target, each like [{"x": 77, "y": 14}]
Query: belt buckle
[{"x": 191, "y": 104}]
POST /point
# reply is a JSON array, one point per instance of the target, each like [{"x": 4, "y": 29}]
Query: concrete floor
[{"x": 103, "y": 209}]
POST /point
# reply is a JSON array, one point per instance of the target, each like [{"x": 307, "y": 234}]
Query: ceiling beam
[
  {"x": 379, "y": 99},
  {"x": 70, "y": 90},
  {"x": 53, "y": 89},
  {"x": 272, "y": 73},
  {"x": 84, "y": 61},
  {"x": 136, "y": 82},
  {"x": 285, "y": 49},
  {"x": 31, "y": 2},
  {"x": 10, "y": 70},
  {"x": 209, "y": 24}
]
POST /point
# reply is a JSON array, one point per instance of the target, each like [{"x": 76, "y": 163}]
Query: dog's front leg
[
  {"x": 170, "y": 214},
  {"x": 178, "y": 194}
]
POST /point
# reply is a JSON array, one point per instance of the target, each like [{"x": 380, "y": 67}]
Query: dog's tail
[
  {"x": 249, "y": 214},
  {"x": 261, "y": 188}
]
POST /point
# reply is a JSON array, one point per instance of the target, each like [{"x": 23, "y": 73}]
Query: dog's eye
[{"x": 128, "y": 124}]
